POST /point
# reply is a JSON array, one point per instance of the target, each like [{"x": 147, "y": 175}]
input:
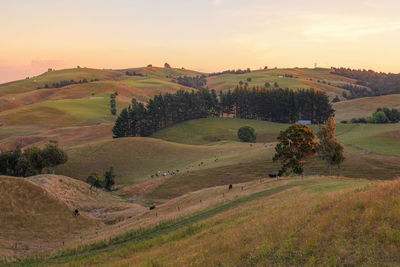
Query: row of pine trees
[{"x": 278, "y": 105}]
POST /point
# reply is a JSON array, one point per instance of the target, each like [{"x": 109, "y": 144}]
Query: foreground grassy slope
[
  {"x": 29, "y": 212},
  {"x": 339, "y": 221}
]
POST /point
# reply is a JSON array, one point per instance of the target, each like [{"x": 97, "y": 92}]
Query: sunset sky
[{"x": 206, "y": 35}]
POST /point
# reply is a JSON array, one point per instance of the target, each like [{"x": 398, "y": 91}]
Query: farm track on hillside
[{"x": 163, "y": 228}]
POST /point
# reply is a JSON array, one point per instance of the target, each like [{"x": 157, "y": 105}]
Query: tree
[
  {"x": 247, "y": 134},
  {"x": 15, "y": 163},
  {"x": 109, "y": 177},
  {"x": 267, "y": 85},
  {"x": 249, "y": 79},
  {"x": 35, "y": 158},
  {"x": 167, "y": 66},
  {"x": 380, "y": 117},
  {"x": 53, "y": 155},
  {"x": 329, "y": 148},
  {"x": 113, "y": 105},
  {"x": 295, "y": 144},
  {"x": 94, "y": 180}
]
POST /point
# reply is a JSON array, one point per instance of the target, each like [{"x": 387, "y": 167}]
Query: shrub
[
  {"x": 246, "y": 134},
  {"x": 344, "y": 121},
  {"x": 95, "y": 180},
  {"x": 354, "y": 120},
  {"x": 380, "y": 117}
]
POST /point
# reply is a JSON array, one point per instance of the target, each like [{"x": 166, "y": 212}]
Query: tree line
[
  {"x": 32, "y": 160},
  {"x": 65, "y": 83},
  {"x": 379, "y": 82},
  {"x": 165, "y": 110},
  {"x": 381, "y": 115},
  {"x": 197, "y": 82},
  {"x": 238, "y": 71},
  {"x": 278, "y": 105}
]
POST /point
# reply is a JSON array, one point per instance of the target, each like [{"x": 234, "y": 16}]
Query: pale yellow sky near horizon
[{"x": 208, "y": 35}]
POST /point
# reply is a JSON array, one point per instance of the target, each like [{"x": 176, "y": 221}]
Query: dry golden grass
[
  {"x": 282, "y": 229},
  {"x": 30, "y": 215}
]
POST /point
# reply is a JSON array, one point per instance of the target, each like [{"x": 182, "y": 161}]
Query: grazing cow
[
  {"x": 230, "y": 187},
  {"x": 152, "y": 207}
]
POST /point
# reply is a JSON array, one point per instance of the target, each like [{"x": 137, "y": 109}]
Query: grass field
[
  {"x": 264, "y": 227},
  {"x": 28, "y": 212},
  {"x": 211, "y": 130},
  {"x": 302, "y": 78},
  {"x": 62, "y": 113},
  {"x": 364, "y": 107},
  {"x": 213, "y": 141},
  {"x": 135, "y": 159}
]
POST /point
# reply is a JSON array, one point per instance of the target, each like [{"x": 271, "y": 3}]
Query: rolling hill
[
  {"x": 364, "y": 107},
  {"x": 339, "y": 221}
]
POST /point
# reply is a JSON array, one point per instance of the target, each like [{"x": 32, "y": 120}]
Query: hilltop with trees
[{"x": 279, "y": 105}]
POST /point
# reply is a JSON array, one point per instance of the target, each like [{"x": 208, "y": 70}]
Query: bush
[
  {"x": 247, "y": 134},
  {"x": 95, "y": 180},
  {"x": 362, "y": 120},
  {"x": 380, "y": 117},
  {"x": 344, "y": 121},
  {"x": 354, "y": 120}
]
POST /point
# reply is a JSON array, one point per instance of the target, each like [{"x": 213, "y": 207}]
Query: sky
[{"x": 204, "y": 35}]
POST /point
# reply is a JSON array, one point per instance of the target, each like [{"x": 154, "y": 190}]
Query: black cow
[
  {"x": 272, "y": 175},
  {"x": 152, "y": 207},
  {"x": 230, "y": 187},
  {"x": 76, "y": 213}
]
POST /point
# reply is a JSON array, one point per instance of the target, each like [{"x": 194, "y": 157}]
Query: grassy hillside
[
  {"x": 135, "y": 159},
  {"x": 371, "y": 151},
  {"x": 31, "y": 213},
  {"x": 376, "y": 138},
  {"x": 339, "y": 221},
  {"x": 364, "y": 107},
  {"x": 210, "y": 130},
  {"x": 56, "y": 76},
  {"x": 302, "y": 78},
  {"x": 62, "y": 113}
]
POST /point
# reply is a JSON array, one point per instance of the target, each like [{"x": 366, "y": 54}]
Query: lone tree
[
  {"x": 247, "y": 134},
  {"x": 113, "y": 103},
  {"x": 329, "y": 148},
  {"x": 109, "y": 177},
  {"x": 53, "y": 155},
  {"x": 295, "y": 144}
]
